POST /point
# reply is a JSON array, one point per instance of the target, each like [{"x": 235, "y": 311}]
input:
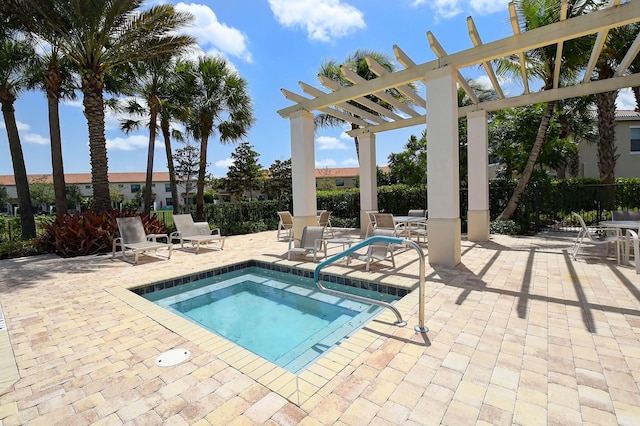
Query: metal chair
[
  {"x": 285, "y": 224},
  {"x": 312, "y": 241},
  {"x": 324, "y": 220},
  {"x": 597, "y": 236}
]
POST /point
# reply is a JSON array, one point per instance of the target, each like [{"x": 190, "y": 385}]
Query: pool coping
[{"x": 297, "y": 388}]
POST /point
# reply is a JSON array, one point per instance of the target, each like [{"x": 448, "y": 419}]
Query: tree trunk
[
  {"x": 512, "y": 205},
  {"x": 27, "y": 221},
  {"x": 53, "y": 81},
  {"x": 164, "y": 126},
  {"x": 94, "y": 112},
  {"x": 606, "y": 103},
  {"x": 202, "y": 172},
  {"x": 153, "y": 119}
]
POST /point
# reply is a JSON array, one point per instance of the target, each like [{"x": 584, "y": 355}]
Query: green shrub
[
  {"x": 12, "y": 249},
  {"x": 504, "y": 227}
]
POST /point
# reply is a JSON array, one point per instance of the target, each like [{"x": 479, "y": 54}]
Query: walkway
[{"x": 519, "y": 334}]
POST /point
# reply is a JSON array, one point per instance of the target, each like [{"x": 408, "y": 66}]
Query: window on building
[
  {"x": 153, "y": 185},
  {"x": 87, "y": 187},
  {"x": 635, "y": 140},
  {"x": 339, "y": 182},
  {"x": 135, "y": 187},
  {"x": 120, "y": 186},
  {"x": 168, "y": 202},
  {"x": 167, "y": 187}
]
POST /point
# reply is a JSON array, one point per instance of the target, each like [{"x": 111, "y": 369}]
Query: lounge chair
[
  {"x": 378, "y": 251},
  {"x": 597, "y": 236},
  {"x": 324, "y": 220},
  {"x": 196, "y": 233},
  {"x": 133, "y": 237},
  {"x": 312, "y": 241},
  {"x": 286, "y": 224}
]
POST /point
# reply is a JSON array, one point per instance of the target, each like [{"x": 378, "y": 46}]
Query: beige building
[
  {"x": 628, "y": 148},
  {"x": 129, "y": 184}
]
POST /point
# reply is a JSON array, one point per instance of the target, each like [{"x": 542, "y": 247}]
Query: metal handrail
[{"x": 391, "y": 240}]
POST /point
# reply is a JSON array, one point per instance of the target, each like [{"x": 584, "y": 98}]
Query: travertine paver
[{"x": 518, "y": 334}]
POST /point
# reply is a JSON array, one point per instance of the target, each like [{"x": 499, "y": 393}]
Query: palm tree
[
  {"x": 148, "y": 79},
  {"x": 617, "y": 42},
  {"x": 220, "y": 102},
  {"x": 16, "y": 58},
  {"x": 53, "y": 75},
  {"x": 98, "y": 36},
  {"x": 356, "y": 62},
  {"x": 541, "y": 63}
]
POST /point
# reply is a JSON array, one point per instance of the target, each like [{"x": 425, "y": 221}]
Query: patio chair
[
  {"x": 385, "y": 221},
  {"x": 324, "y": 220},
  {"x": 312, "y": 241},
  {"x": 635, "y": 245},
  {"x": 378, "y": 251},
  {"x": 418, "y": 228},
  {"x": 285, "y": 224},
  {"x": 372, "y": 222},
  {"x": 625, "y": 215},
  {"x": 597, "y": 236},
  {"x": 133, "y": 237},
  {"x": 196, "y": 233}
]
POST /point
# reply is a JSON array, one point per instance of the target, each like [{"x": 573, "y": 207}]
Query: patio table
[
  {"x": 621, "y": 226},
  {"x": 403, "y": 223}
]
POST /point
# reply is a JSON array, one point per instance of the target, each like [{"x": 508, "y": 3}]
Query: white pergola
[{"x": 439, "y": 111}]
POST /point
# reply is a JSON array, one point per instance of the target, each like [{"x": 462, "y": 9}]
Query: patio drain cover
[{"x": 173, "y": 357}]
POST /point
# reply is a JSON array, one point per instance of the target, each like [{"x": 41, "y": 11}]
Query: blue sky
[{"x": 274, "y": 44}]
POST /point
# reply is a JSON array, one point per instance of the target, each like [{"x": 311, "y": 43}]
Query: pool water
[{"x": 283, "y": 318}]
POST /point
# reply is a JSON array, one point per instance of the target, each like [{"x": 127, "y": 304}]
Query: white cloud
[
  {"x": 626, "y": 100},
  {"x": 350, "y": 162},
  {"x": 36, "y": 139},
  {"x": 21, "y": 126},
  {"x": 325, "y": 163},
  {"x": 323, "y": 20},
  {"x": 450, "y": 8},
  {"x": 329, "y": 142},
  {"x": 128, "y": 143},
  {"x": 213, "y": 35},
  {"x": 224, "y": 164}
]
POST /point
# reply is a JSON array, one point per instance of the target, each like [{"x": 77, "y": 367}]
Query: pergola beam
[
  {"x": 330, "y": 111},
  {"x": 623, "y": 14},
  {"x": 566, "y": 92},
  {"x": 439, "y": 51},
  {"x": 629, "y": 57},
  {"x": 564, "y": 6},
  {"x": 597, "y": 46},
  {"x": 407, "y": 91},
  {"x": 353, "y": 109},
  {"x": 513, "y": 18},
  {"x": 357, "y": 80},
  {"x": 367, "y": 103},
  {"x": 475, "y": 39}
]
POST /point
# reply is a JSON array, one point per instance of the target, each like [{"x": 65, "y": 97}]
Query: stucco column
[
  {"x": 478, "y": 169},
  {"x": 443, "y": 185},
  {"x": 303, "y": 169},
  {"x": 368, "y": 178}
]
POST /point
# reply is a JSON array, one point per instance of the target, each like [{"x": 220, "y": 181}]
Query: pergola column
[
  {"x": 477, "y": 149},
  {"x": 368, "y": 178},
  {"x": 443, "y": 186},
  {"x": 303, "y": 168}
]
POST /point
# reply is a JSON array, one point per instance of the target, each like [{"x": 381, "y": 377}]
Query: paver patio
[{"x": 518, "y": 334}]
